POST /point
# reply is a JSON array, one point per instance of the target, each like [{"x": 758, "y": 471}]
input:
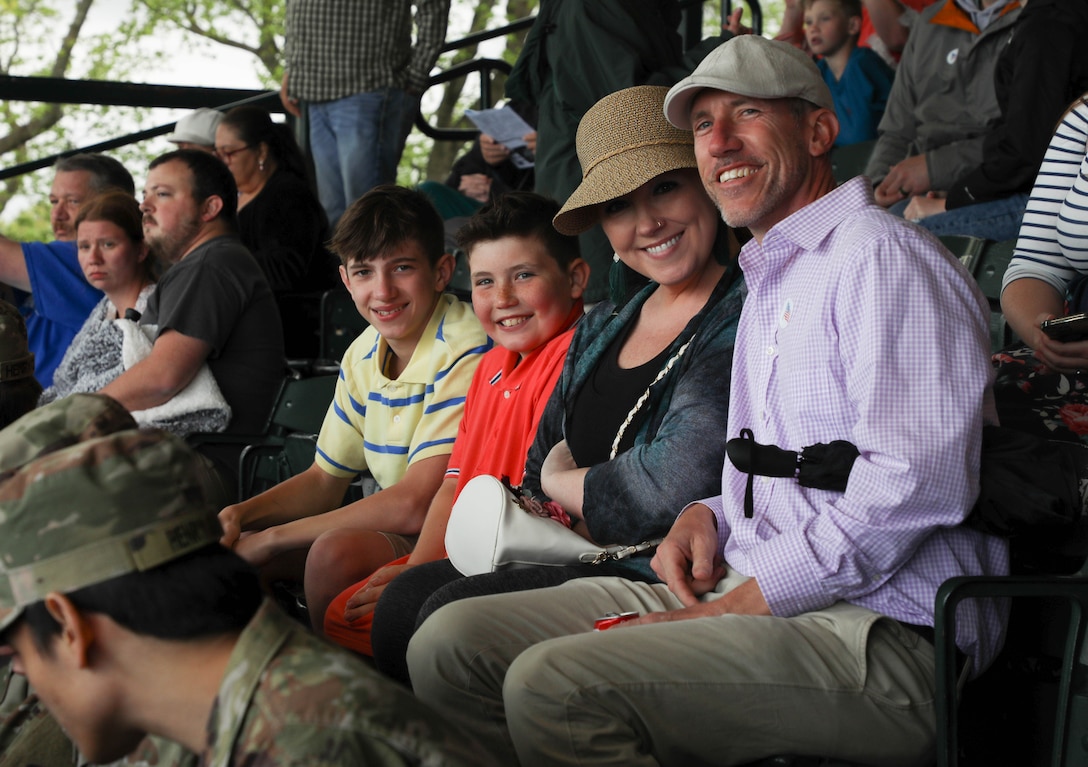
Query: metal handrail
[
  {"x": 753, "y": 8},
  {"x": 485, "y": 67},
  {"x": 131, "y": 138},
  {"x": 490, "y": 34},
  {"x": 62, "y": 91}
]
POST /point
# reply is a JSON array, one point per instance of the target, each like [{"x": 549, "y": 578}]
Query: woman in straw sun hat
[{"x": 635, "y": 428}]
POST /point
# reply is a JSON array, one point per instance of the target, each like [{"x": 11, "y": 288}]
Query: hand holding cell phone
[{"x": 1073, "y": 327}]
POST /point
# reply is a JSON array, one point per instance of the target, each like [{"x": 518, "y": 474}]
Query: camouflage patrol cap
[
  {"x": 88, "y": 513},
  {"x": 60, "y": 424},
  {"x": 16, "y": 361}
]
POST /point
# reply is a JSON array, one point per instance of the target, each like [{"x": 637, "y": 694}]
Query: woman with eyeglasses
[{"x": 280, "y": 218}]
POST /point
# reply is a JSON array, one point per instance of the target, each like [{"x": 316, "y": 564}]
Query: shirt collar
[
  {"x": 982, "y": 17},
  {"x": 420, "y": 367},
  {"x": 257, "y": 645},
  {"x": 806, "y": 228}
]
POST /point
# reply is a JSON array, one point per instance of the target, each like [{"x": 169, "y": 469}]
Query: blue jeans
[
  {"x": 994, "y": 220},
  {"x": 356, "y": 144}
]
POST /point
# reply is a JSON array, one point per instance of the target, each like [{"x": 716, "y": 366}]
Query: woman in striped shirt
[
  {"x": 1043, "y": 383},
  {"x": 1052, "y": 249}
]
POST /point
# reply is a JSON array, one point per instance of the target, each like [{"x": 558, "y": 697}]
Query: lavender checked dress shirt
[{"x": 861, "y": 327}]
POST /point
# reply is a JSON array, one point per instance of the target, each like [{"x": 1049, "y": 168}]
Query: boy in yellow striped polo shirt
[{"x": 399, "y": 399}]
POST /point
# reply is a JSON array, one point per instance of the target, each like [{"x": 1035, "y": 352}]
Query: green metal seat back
[
  {"x": 851, "y": 160},
  {"x": 341, "y": 323},
  {"x": 303, "y": 403}
]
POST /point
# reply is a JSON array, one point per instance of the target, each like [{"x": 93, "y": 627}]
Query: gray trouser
[{"x": 525, "y": 673}]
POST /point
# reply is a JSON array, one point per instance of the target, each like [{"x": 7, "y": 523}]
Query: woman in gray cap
[{"x": 635, "y": 426}]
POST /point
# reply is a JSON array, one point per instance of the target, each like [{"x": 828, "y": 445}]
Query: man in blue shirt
[{"x": 51, "y": 291}]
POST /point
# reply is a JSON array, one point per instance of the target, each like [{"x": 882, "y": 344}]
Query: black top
[
  {"x": 285, "y": 229},
  {"x": 217, "y": 294},
  {"x": 602, "y": 404}
]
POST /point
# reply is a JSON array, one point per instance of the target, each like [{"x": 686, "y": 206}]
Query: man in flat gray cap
[{"x": 790, "y": 620}]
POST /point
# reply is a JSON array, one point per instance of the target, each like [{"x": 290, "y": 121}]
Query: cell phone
[
  {"x": 608, "y": 620},
  {"x": 1071, "y": 328}
]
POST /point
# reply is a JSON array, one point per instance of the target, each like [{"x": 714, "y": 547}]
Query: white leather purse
[{"x": 489, "y": 530}]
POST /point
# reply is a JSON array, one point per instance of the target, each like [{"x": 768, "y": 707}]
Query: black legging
[{"x": 416, "y": 593}]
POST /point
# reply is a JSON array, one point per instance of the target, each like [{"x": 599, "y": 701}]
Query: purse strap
[
  {"x": 616, "y": 553},
  {"x": 645, "y": 396},
  {"x": 532, "y": 506}
]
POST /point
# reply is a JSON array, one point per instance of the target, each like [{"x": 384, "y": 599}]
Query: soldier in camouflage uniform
[
  {"x": 128, "y": 618},
  {"x": 28, "y": 734},
  {"x": 19, "y": 390}
]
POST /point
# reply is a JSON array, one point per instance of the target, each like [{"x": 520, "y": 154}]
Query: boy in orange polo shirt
[{"x": 527, "y": 285}]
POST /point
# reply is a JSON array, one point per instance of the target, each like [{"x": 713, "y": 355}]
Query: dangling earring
[{"x": 260, "y": 165}]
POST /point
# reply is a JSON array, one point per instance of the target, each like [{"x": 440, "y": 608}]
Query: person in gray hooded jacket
[{"x": 943, "y": 99}]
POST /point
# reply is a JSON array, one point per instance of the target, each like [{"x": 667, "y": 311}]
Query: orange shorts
[{"x": 354, "y": 635}]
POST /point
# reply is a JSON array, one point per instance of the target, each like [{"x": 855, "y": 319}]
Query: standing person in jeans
[{"x": 357, "y": 70}]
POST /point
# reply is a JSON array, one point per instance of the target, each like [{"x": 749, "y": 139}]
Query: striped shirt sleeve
[{"x": 1052, "y": 245}]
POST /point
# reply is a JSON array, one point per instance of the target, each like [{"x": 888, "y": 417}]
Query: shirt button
[
  {"x": 770, "y": 351},
  {"x": 506, "y": 394},
  {"x": 396, "y": 419}
]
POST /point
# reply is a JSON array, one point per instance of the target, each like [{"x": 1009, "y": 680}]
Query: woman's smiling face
[{"x": 665, "y": 229}]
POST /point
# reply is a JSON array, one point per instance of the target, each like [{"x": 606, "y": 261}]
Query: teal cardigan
[{"x": 678, "y": 453}]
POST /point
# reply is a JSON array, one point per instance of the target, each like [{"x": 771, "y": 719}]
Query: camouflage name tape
[
  {"x": 102, "y": 508},
  {"x": 135, "y": 551},
  {"x": 14, "y": 370}
]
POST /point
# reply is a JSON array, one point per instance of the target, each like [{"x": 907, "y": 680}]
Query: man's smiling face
[{"x": 753, "y": 157}]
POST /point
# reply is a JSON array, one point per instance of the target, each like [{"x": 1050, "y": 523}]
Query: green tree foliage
[
  {"x": 49, "y": 38},
  {"x": 31, "y": 224},
  {"x": 253, "y": 26},
  {"x": 21, "y": 24}
]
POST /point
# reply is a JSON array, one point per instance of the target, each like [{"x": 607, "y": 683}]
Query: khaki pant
[{"x": 525, "y": 673}]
